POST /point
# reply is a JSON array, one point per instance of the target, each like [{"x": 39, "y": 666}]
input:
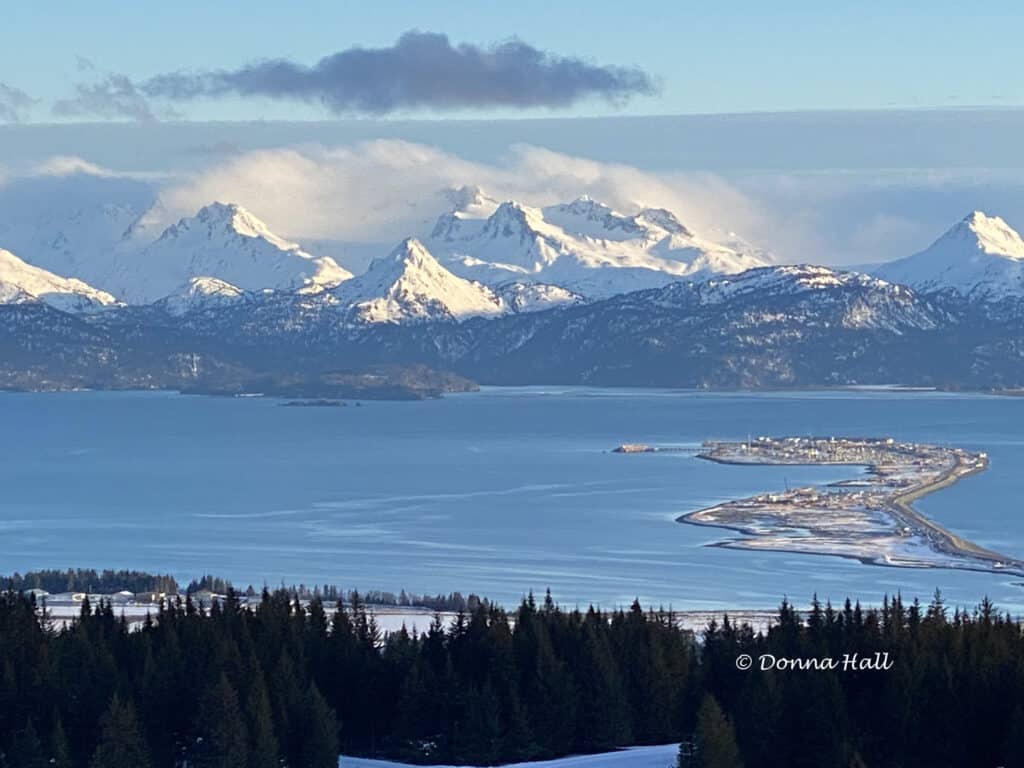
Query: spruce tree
[
  {"x": 221, "y": 739},
  {"x": 715, "y": 737},
  {"x": 318, "y": 742},
  {"x": 121, "y": 743},
  {"x": 264, "y": 751}
]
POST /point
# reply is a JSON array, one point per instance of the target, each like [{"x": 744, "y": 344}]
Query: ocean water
[{"x": 496, "y": 492}]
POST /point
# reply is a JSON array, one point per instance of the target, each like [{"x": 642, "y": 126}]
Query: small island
[{"x": 869, "y": 518}]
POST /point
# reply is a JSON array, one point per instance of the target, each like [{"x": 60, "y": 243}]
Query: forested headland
[{"x": 293, "y": 683}]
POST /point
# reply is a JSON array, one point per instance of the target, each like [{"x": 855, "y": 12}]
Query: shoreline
[{"x": 873, "y": 522}]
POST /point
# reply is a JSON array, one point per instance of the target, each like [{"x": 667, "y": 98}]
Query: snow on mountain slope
[
  {"x": 534, "y": 297},
  {"x": 199, "y": 294},
  {"x": 857, "y": 300},
  {"x": 72, "y": 225},
  {"x": 226, "y": 242},
  {"x": 21, "y": 283},
  {"x": 409, "y": 285},
  {"x": 661, "y": 756},
  {"x": 791, "y": 279},
  {"x": 981, "y": 258},
  {"x": 583, "y": 246}
]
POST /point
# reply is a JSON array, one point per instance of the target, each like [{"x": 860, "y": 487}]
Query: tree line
[
  {"x": 290, "y": 683},
  {"x": 90, "y": 581},
  {"x": 107, "y": 582}
]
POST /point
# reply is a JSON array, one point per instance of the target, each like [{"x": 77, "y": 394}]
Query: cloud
[
  {"x": 380, "y": 191},
  {"x": 420, "y": 71},
  {"x": 69, "y": 165},
  {"x": 115, "y": 96},
  {"x": 13, "y": 103}
]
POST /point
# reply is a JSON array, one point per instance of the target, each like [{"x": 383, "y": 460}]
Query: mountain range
[{"x": 500, "y": 292}]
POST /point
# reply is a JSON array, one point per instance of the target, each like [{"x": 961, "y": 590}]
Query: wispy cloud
[
  {"x": 69, "y": 165},
  {"x": 115, "y": 96},
  {"x": 421, "y": 70},
  {"x": 13, "y": 103}
]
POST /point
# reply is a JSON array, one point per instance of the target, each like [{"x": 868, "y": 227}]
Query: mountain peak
[
  {"x": 991, "y": 234},
  {"x": 20, "y": 282},
  {"x": 208, "y": 286},
  {"x": 408, "y": 254},
  {"x": 585, "y": 205},
  {"x": 511, "y": 219},
  {"x": 233, "y": 218},
  {"x": 980, "y": 257},
  {"x": 224, "y": 241},
  {"x": 200, "y": 293},
  {"x": 409, "y": 284},
  {"x": 663, "y": 219}
]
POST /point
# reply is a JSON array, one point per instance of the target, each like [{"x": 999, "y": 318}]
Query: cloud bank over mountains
[
  {"x": 369, "y": 190},
  {"x": 340, "y": 191}
]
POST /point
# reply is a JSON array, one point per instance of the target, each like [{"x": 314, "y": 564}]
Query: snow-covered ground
[
  {"x": 661, "y": 756},
  {"x": 64, "y": 608}
]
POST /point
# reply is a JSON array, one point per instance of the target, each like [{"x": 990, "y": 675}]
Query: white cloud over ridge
[
  {"x": 356, "y": 200},
  {"x": 378, "y": 189}
]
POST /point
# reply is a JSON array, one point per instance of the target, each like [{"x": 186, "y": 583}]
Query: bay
[{"x": 496, "y": 492}]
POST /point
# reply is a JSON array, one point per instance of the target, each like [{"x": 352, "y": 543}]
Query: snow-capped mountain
[
  {"x": 22, "y": 283},
  {"x": 857, "y": 300},
  {"x": 981, "y": 258},
  {"x": 583, "y": 246},
  {"x": 226, "y": 242},
  {"x": 409, "y": 285},
  {"x": 200, "y": 294}
]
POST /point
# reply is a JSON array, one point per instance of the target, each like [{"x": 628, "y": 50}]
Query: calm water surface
[{"x": 495, "y": 492}]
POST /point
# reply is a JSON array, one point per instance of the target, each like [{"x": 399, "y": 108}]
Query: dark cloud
[
  {"x": 13, "y": 103},
  {"x": 114, "y": 96},
  {"x": 422, "y": 70}
]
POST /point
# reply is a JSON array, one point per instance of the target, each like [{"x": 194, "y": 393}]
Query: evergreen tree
[
  {"x": 60, "y": 752},
  {"x": 318, "y": 741},
  {"x": 121, "y": 743},
  {"x": 221, "y": 739},
  {"x": 26, "y": 749},
  {"x": 263, "y": 747},
  {"x": 715, "y": 738}
]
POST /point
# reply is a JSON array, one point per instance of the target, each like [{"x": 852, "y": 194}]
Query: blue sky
[
  {"x": 867, "y": 144},
  {"x": 737, "y": 57}
]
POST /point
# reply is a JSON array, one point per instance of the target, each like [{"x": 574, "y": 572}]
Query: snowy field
[{"x": 663, "y": 756}]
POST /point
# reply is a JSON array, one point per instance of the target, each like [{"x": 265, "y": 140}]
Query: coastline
[{"x": 884, "y": 530}]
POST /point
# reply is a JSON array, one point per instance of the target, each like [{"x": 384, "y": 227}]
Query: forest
[{"x": 286, "y": 682}]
